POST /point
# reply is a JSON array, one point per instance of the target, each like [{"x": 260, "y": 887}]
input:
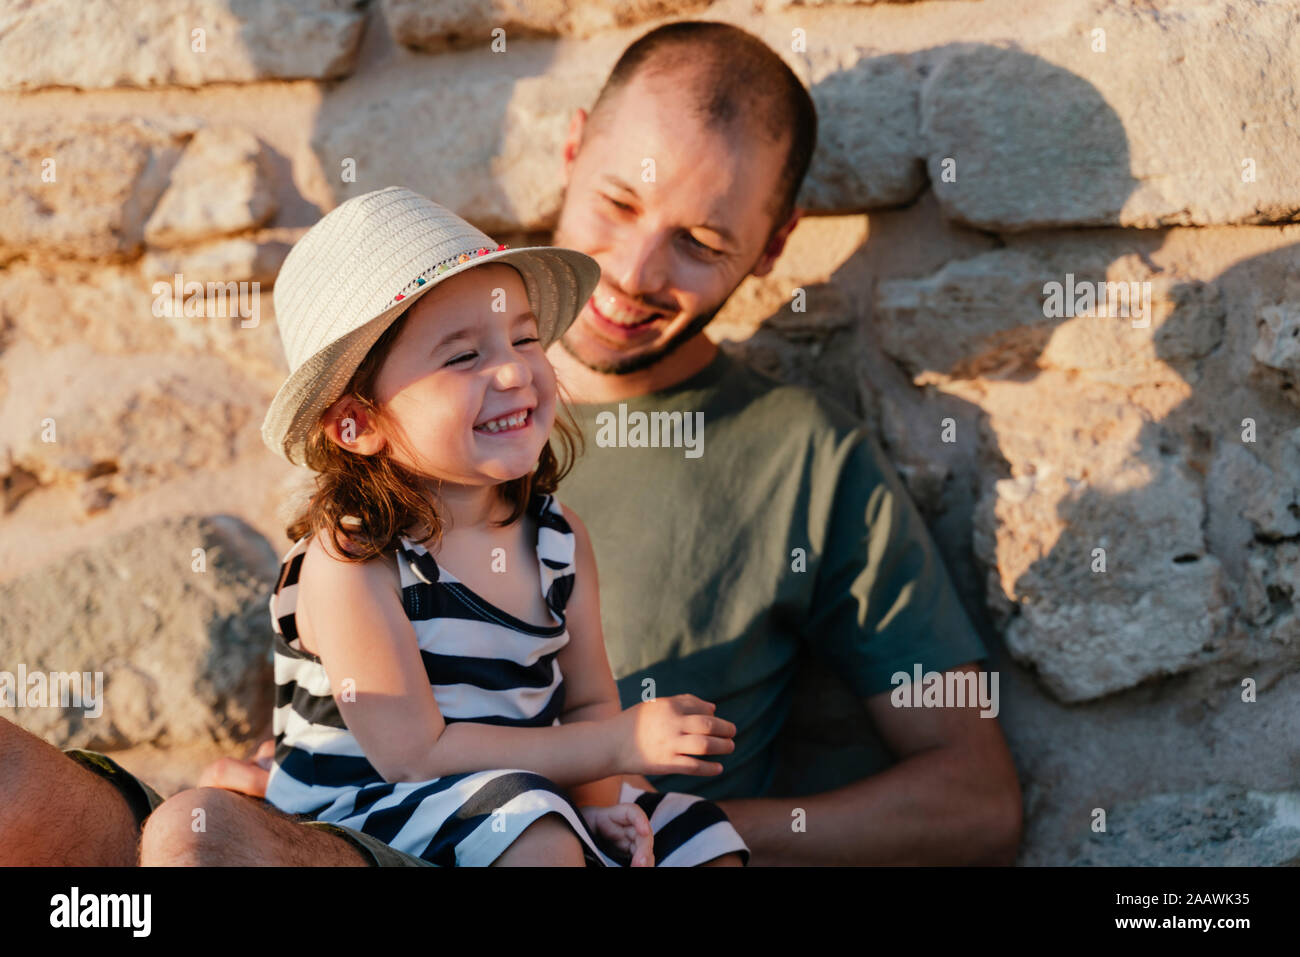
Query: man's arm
[
  {"x": 882, "y": 601},
  {"x": 952, "y": 798}
]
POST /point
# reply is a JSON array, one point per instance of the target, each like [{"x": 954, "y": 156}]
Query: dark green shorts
[{"x": 143, "y": 799}]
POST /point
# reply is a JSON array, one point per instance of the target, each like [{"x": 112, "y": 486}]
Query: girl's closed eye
[{"x": 465, "y": 356}]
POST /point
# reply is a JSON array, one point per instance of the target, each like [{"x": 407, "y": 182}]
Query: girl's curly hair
[{"x": 364, "y": 502}]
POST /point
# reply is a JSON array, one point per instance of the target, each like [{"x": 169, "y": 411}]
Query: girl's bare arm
[
  {"x": 361, "y": 632},
  {"x": 369, "y": 650},
  {"x": 590, "y": 691}
]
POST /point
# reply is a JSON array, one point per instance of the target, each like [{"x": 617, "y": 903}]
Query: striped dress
[{"x": 486, "y": 666}]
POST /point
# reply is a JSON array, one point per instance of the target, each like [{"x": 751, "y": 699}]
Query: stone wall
[{"x": 1118, "y": 500}]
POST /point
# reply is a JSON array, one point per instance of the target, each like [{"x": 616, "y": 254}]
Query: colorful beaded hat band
[{"x": 443, "y": 266}]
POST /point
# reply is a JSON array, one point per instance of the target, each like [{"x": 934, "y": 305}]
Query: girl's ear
[{"x": 349, "y": 426}]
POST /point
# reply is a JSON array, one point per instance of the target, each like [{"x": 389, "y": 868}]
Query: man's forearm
[
  {"x": 929, "y": 808},
  {"x": 604, "y": 792}
]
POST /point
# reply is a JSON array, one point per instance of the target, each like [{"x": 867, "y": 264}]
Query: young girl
[{"x": 442, "y": 683}]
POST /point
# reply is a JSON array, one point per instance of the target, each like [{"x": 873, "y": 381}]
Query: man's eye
[
  {"x": 702, "y": 247},
  {"x": 622, "y": 207},
  {"x": 462, "y": 357}
]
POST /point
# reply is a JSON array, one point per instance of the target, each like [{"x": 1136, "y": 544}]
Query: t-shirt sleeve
[{"x": 882, "y": 601}]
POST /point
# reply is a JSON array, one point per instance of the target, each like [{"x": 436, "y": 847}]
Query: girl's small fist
[{"x": 661, "y": 735}]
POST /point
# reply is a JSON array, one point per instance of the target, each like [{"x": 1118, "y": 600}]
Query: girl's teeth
[{"x": 496, "y": 425}]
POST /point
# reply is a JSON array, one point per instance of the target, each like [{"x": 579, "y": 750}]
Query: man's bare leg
[
  {"x": 236, "y": 830},
  {"x": 54, "y": 812}
]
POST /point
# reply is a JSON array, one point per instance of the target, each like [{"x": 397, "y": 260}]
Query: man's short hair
[{"x": 736, "y": 82}]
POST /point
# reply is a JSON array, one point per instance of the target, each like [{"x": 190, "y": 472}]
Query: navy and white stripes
[{"x": 484, "y": 665}]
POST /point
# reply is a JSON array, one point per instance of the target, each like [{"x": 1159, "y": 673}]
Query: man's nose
[{"x": 640, "y": 266}]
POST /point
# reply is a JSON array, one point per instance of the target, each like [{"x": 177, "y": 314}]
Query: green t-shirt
[{"x": 761, "y": 526}]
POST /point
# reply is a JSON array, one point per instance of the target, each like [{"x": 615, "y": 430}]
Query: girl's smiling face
[{"x": 467, "y": 357}]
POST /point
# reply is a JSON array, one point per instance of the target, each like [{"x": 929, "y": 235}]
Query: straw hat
[{"x": 353, "y": 273}]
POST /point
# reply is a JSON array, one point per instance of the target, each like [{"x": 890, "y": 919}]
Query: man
[
  {"x": 765, "y": 521},
  {"x": 701, "y": 551}
]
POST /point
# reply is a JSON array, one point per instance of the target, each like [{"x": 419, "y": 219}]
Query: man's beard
[{"x": 646, "y": 359}]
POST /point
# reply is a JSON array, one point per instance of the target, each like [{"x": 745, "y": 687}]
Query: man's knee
[
  {"x": 214, "y": 827},
  {"x": 180, "y": 831}
]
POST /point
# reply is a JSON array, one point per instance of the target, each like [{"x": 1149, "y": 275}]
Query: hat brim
[{"x": 558, "y": 283}]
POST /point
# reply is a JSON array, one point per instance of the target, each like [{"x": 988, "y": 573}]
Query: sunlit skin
[
  {"x": 674, "y": 248},
  {"x": 456, "y": 364}
]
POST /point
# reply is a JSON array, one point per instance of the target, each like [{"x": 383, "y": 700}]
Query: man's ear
[
  {"x": 774, "y": 245},
  {"x": 350, "y": 427},
  {"x": 573, "y": 141}
]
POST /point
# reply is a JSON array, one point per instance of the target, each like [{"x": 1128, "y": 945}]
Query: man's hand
[
  {"x": 953, "y": 797},
  {"x": 247, "y": 777},
  {"x": 626, "y": 827}
]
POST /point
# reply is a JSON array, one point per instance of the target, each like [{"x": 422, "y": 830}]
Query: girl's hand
[
  {"x": 626, "y": 827},
  {"x": 658, "y": 736},
  {"x": 248, "y": 777}
]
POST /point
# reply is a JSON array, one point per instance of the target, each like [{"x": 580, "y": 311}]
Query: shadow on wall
[
  {"x": 1136, "y": 487},
  {"x": 1170, "y": 599},
  {"x": 1069, "y": 160},
  {"x": 1187, "y": 512}
]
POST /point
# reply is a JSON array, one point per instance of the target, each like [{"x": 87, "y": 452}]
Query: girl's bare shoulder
[
  {"x": 326, "y": 562},
  {"x": 324, "y": 568},
  {"x": 583, "y": 551}
]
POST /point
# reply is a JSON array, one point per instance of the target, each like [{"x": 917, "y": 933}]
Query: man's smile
[{"x": 622, "y": 324}]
